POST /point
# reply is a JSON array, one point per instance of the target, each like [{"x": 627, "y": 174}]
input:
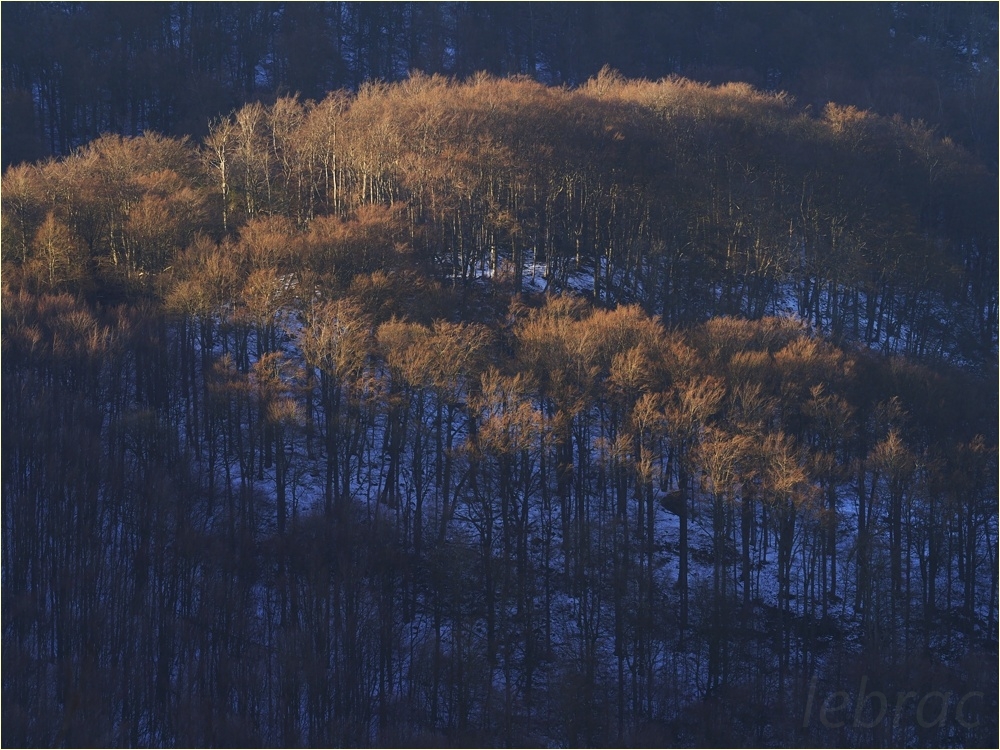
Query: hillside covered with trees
[{"x": 491, "y": 411}]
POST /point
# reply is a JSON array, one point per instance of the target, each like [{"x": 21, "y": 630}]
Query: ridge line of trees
[{"x": 72, "y": 71}]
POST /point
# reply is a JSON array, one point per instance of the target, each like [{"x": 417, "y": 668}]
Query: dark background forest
[{"x": 458, "y": 374}]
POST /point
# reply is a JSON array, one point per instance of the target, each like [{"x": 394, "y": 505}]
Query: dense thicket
[
  {"x": 72, "y": 71},
  {"x": 294, "y": 452}
]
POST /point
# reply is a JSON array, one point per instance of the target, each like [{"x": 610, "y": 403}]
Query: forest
[{"x": 525, "y": 401}]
